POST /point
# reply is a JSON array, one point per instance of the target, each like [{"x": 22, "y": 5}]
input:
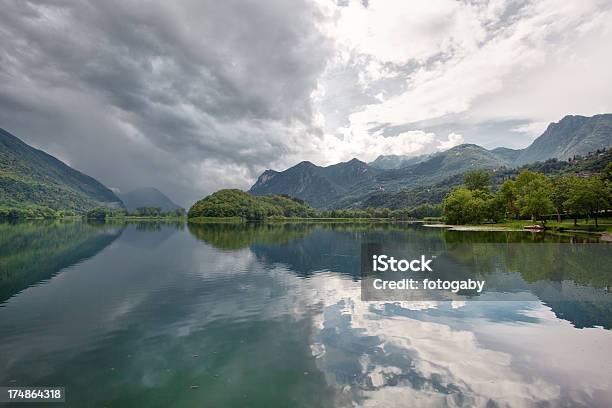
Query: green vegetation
[
  {"x": 32, "y": 179},
  {"x": 237, "y": 203},
  {"x": 412, "y": 197},
  {"x": 31, "y": 212},
  {"x": 530, "y": 195},
  {"x": 103, "y": 213},
  {"x": 474, "y": 203}
]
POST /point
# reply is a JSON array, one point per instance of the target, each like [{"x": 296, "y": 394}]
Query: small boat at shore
[{"x": 534, "y": 227}]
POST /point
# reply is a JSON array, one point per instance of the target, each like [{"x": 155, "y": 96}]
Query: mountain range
[
  {"x": 31, "y": 177},
  {"x": 356, "y": 183}
]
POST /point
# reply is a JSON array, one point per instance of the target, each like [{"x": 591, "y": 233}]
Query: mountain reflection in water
[{"x": 271, "y": 315}]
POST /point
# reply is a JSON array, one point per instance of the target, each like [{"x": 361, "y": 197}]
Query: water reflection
[
  {"x": 572, "y": 279},
  {"x": 31, "y": 252},
  {"x": 272, "y": 316}
]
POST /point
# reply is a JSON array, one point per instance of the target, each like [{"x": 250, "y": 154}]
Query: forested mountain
[
  {"x": 571, "y": 136},
  {"x": 358, "y": 184},
  {"x": 434, "y": 193},
  {"x": 31, "y": 177},
  {"x": 344, "y": 184},
  {"x": 148, "y": 197}
]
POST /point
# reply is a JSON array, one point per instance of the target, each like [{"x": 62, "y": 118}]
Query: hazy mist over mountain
[{"x": 192, "y": 96}]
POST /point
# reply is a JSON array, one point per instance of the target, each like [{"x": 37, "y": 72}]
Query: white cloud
[
  {"x": 533, "y": 61},
  {"x": 452, "y": 141},
  {"x": 398, "y": 31}
]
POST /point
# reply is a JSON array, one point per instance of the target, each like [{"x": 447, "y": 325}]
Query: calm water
[{"x": 271, "y": 316}]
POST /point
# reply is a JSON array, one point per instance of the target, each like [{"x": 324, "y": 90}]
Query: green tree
[
  {"x": 507, "y": 194},
  {"x": 454, "y": 206},
  {"x": 606, "y": 175},
  {"x": 559, "y": 194},
  {"x": 579, "y": 197},
  {"x": 496, "y": 208},
  {"x": 98, "y": 213},
  {"x": 525, "y": 177},
  {"x": 477, "y": 180},
  {"x": 463, "y": 206},
  {"x": 600, "y": 196},
  {"x": 534, "y": 198}
]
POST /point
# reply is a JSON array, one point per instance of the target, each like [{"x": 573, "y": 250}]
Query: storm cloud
[
  {"x": 186, "y": 96},
  {"x": 192, "y": 96}
]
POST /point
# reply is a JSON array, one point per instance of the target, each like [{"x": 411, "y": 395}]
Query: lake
[{"x": 221, "y": 315}]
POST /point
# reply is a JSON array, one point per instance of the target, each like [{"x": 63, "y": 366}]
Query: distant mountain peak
[
  {"x": 465, "y": 146},
  {"x": 264, "y": 178},
  {"x": 305, "y": 164},
  {"x": 573, "y": 135},
  {"x": 148, "y": 197}
]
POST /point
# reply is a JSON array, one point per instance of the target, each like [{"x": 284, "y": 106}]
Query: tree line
[
  {"x": 530, "y": 195},
  {"x": 101, "y": 213}
]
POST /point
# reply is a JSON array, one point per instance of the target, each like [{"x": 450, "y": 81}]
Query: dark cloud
[{"x": 186, "y": 96}]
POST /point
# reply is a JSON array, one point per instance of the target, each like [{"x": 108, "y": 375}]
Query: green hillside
[
  {"x": 31, "y": 177},
  {"x": 592, "y": 163},
  {"x": 237, "y": 203}
]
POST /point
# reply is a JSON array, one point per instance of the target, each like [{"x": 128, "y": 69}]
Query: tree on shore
[
  {"x": 477, "y": 180},
  {"x": 600, "y": 196},
  {"x": 532, "y": 195},
  {"x": 578, "y": 198},
  {"x": 559, "y": 194},
  {"x": 459, "y": 208},
  {"x": 534, "y": 199},
  {"x": 508, "y": 196}
]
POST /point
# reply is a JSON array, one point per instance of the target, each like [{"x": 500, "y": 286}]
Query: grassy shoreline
[{"x": 565, "y": 226}]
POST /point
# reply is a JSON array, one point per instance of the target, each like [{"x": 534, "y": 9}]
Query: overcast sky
[{"x": 193, "y": 96}]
